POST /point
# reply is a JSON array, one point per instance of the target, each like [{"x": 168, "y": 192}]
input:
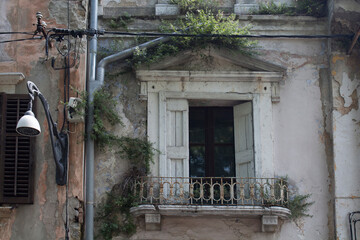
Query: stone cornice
[
  {"x": 208, "y": 76},
  {"x": 11, "y": 78}
]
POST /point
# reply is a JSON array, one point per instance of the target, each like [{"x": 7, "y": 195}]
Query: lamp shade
[{"x": 28, "y": 125}]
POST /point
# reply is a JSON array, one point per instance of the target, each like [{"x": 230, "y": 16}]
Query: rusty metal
[
  {"x": 212, "y": 191},
  {"x": 354, "y": 41}
]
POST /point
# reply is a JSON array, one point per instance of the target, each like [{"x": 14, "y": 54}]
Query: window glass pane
[
  {"x": 224, "y": 161},
  {"x": 224, "y": 125},
  {"x": 197, "y": 125},
  {"x": 197, "y": 161}
]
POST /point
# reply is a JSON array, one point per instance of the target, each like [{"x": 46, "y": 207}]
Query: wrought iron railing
[{"x": 212, "y": 191}]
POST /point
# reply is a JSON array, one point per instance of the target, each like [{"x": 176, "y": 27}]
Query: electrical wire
[
  {"x": 21, "y": 39},
  {"x": 27, "y": 33},
  {"x": 144, "y": 34},
  {"x": 66, "y": 98},
  {"x": 155, "y": 34}
]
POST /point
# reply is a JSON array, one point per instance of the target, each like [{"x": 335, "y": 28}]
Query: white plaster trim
[
  {"x": 11, "y": 78},
  {"x": 203, "y": 211},
  {"x": 208, "y": 76}
]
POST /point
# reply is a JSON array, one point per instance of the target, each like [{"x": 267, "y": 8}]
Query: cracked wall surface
[
  {"x": 301, "y": 135},
  {"x": 346, "y": 123},
  {"x": 345, "y": 80},
  {"x": 46, "y": 217}
]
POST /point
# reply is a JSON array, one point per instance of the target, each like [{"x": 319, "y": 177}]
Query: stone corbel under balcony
[
  {"x": 269, "y": 215},
  {"x": 9, "y": 80}
]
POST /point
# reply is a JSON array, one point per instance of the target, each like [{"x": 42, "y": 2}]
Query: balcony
[{"x": 212, "y": 196}]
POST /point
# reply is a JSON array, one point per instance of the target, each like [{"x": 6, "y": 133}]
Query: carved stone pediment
[
  {"x": 213, "y": 64},
  {"x": 214, "y": 59}
]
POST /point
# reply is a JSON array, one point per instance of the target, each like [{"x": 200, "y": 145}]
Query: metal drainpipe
[
  {"x": 124, "y": 54},
  {"x": 92, "y": 85}
]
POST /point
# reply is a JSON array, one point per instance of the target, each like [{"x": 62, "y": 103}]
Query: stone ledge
[
  {"x": 5, "y": 212},
  {"x": 166, "y": 10},
  {"x": 244, "y": 9},
  {"x": 201, "y": 210},
  {"x": 269, "y": 215},
  {"x": 9, "y": 80}
]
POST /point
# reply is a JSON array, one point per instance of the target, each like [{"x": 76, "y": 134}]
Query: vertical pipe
[{"x": 90, "y": 86}]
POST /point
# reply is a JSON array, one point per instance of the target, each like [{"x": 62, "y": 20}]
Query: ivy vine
[{"x": 114, "y": 215}]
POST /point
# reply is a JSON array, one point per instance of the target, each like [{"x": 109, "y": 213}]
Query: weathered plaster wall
[
  {"x": 45, "y": 218},
  {"x": 345, "y": 75},
  {"x": 300, "y": 135},
  {"x": 346, "y": 117},
  {"x": 299, "y": 132},
  {"x": 211, "y": 228},
  {"x": 109, "y": 165}
]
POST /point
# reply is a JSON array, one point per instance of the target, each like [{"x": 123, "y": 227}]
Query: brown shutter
[{"x": 16, "y": 170}]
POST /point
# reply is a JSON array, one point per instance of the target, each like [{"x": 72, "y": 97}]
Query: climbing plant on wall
[
  {"x": 200, "y": 21},
  {"x": 199, "y": 17}
]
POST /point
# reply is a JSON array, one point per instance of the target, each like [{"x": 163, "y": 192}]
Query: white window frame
[{"x": 262, "y": 88}]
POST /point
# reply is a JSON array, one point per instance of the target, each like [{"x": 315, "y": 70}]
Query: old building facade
[{"x": 237, "y": 136}]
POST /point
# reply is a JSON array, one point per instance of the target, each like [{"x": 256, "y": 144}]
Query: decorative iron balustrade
[{"x": 212, "y": 191}]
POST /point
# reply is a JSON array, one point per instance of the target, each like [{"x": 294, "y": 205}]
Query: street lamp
[{"x": 28, "y": 125}]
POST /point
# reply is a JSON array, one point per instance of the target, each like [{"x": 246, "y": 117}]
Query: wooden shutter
[
  {"x": 244, "y": 140},
  {"x": 177, "y": 138},
  {"x": 16, "y": 170}
]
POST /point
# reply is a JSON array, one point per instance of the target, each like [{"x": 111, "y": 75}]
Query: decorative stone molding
[
  {"x": 244, "y": 9},
  {"x": 5, "y": 212},
  {"x": 210, "y": 76},
  {"x": 269, "y": 215},
  {"x": 9, "y": 80},
  {"x": 166, "y": 9}
]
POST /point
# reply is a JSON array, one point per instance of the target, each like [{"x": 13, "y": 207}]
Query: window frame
[
  {"x": 262, "y": 122},
  {"x": 209, "y": 141},
  {"x": 30, "y": 186}
]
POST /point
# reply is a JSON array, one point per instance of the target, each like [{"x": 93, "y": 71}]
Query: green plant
[
  {"x": 120, "y": 22},
  {"x": 116, "y": 45},
  {"x": 270, "y": 8},
  {"x": 193, "y": 6},
  {"x": 299, "y": 206},
  {"x": 114, "y": 215},
  {"x": 201, "y": 22},
  {"x": 104, "y": 111},
  {"x": 316, "y": 8}
]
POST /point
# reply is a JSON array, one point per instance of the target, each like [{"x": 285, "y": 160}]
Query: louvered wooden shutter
[{"x": 16, "y": 170}]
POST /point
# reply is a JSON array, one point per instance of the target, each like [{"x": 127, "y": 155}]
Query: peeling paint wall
[
  {"x": 346, "y": 117},
  {"x": 345, "y": 80},
  {"x": 46, "y": 217},
  {"x": 302, "y": 135}
]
